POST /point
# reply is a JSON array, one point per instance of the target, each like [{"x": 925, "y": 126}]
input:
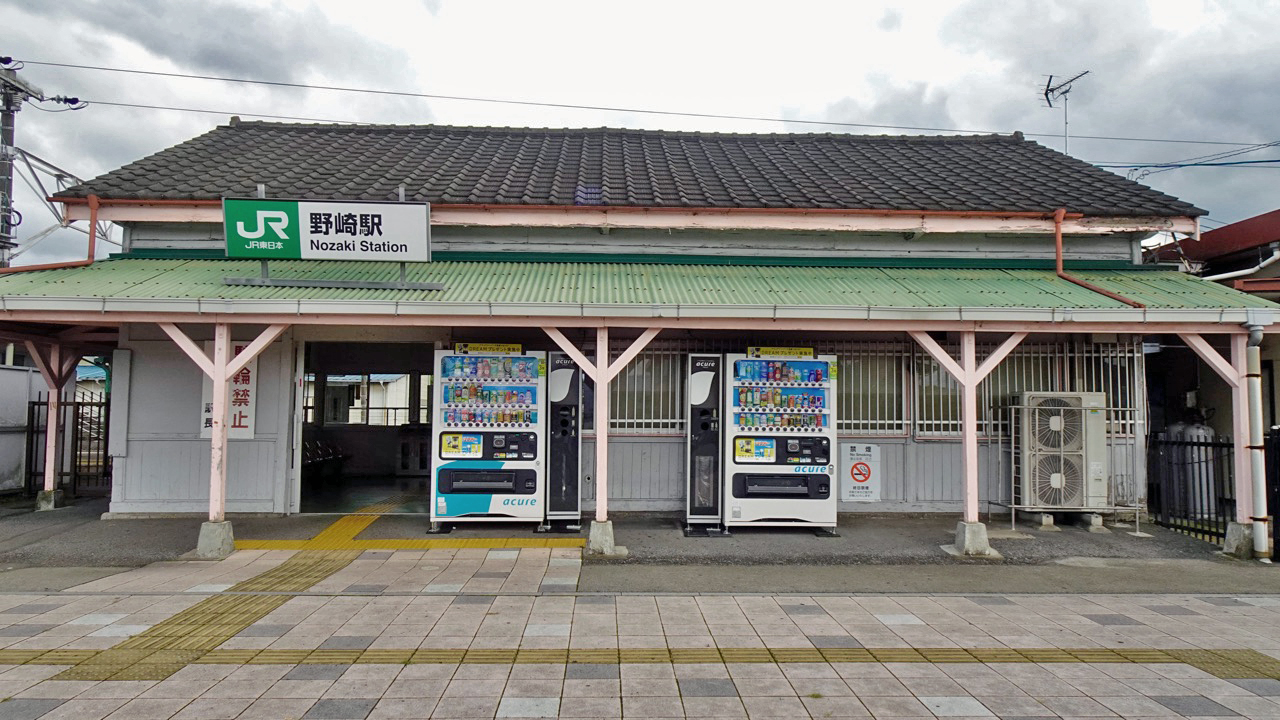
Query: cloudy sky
[{"x": 1202, "y": 70}]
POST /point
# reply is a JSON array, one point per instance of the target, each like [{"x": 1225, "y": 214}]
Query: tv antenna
[{"x": 1060, "y": 91}]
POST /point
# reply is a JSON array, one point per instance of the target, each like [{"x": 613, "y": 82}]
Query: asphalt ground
[{"x": 61, "y": 548}]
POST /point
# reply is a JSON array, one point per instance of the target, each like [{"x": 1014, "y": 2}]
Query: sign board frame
[{"x": 296, "y": 229}]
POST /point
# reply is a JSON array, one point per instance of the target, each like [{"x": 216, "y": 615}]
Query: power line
[
  {"x": 601, "y": 108},
  {"x": 223, "y": 112},
  {"x": 1200, "y": 164}
]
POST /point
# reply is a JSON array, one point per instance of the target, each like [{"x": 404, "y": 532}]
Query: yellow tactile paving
[
  {"x": 139, "y": 663},
  {"x": 342, "y": 534}
]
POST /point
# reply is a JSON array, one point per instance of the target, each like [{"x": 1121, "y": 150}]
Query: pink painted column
[
  {"x": 218, "y": 447},
  {"x": 603, "y": 377},
  {"x": 1243, "y": 466},
  {"x": 53, "y": 423},
  {"x": 969, "y": 423}
]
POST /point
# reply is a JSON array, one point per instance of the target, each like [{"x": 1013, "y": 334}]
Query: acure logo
[{"x": 274, "y": 219}]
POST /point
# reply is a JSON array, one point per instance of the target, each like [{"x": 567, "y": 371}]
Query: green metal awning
[{"x": 605, "y": 288}]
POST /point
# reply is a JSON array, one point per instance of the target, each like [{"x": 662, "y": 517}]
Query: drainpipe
[
  {"x": 1058, "y": 216},
  {"x": 1275, "y": 255},
  {"x": 1257, "y": 456},
  {"x": 93, "y": 245}
]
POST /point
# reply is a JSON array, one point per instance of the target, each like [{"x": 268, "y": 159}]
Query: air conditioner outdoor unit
[{"x": 1063, "y": 450}]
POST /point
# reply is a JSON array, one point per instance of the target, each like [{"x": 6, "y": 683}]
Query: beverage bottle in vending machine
[
  {"x": 819, "y": 373},
  {"x": 777, "y": 397},
  {"x": 448, "y": 393}
]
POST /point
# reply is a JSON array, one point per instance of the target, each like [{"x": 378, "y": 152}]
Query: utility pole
[{"x": 13, "y": 92}]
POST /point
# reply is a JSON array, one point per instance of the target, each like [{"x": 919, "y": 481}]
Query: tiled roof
[{"x": 631, "y": 168}]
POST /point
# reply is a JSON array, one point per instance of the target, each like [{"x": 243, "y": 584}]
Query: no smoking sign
[{"x": 861, "y": 464}]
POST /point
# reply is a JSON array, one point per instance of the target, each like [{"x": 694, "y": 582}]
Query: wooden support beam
[
  {"x": 572, "y": 351},
  {"x": 1212, "y": 358},
  {"x": 220, "y": 369}
]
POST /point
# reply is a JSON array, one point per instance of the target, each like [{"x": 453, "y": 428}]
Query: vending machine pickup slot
[
  {"x": 799, "y": 485},
  {"x": 483, "y": 481},
  {"x": 773, "y": 485}
]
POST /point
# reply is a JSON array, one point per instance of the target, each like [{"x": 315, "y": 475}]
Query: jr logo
[{"x": 274, "y": 219}]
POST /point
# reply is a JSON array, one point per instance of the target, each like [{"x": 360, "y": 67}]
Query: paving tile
[
  {"x": 591, "y": 707},
  {"x": 780, "y": 707},
  {"x": 466, "y": 707},
  {"x": 24, "y": 630},
  {"x": 891, "y": 706},
  {"x": 1112, "y": 619},
  {"x": 714, "y": 707},
  {"x": 276, "y": 708},
  {"x": 341, "y": 709},
  {"x": 989, "y": 600},
  {"x": 407, "y": 708},
  {"x": 144, "y": 709},
  {"x": 85, "y": 709},
  {"x": 1014, "y": 706},
  {"x": 214, "y": 709},
  {"x": 27, "y": 708},
  {"x": 834, "y": 641},
  {"x": 1223, "y": 601},
  {"x": 954, "y": 706},
  {"x": 834, "y": 707},
  {"x": 593, "y": 671},
  {"x": 899, "y": 619},
  {"x": 802, "y": 609},
  {"x": 97, "y": 619},
  {"x": 265, "y": 630},
  {"x": 707, "y": 687},
  {"x": 652, "y": 707},
  {"x": 32, "y": 608},
  {"x": 364, "y": 588},
  {"x": 473, "y": 600},
  {"x": 541, "y": 707},
  {"x": 316, "y": 672},
  {"x": 348, "y": 642},
  {"x": 1172, "y": 610},
  {"x": 120, "y": 631},
  {"x": 1194, "y": 705},
  {"x": 1267, "y": 687}
]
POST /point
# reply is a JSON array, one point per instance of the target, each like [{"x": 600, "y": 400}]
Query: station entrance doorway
[{"x": 366, "y": 427}]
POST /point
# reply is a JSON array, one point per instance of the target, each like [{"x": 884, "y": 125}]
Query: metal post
[{"x": 10, "y": 102}]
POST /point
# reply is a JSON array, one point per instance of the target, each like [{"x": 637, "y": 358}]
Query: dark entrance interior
[{"x": 366, "y": 429}]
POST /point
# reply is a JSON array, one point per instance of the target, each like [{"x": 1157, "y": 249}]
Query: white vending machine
[
  {"x": 780, "y": 443},
  {"x": 489, "y": 434}
]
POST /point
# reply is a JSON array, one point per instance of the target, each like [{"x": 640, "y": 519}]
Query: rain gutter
[
  {"x": 1058, "y": 216},
  {"x": 93, "y": 202}
]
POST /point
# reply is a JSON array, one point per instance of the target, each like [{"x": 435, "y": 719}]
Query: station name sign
[{"x": 306, "y": 230}]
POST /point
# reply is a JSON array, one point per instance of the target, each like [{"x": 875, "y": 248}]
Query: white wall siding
[
  {"x": 167, "y": 465},
  {"x": 18, "y": 387}
]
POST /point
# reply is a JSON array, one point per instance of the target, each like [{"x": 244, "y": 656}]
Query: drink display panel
[
  {"x": 779, "y": 451},
  {"x": 488, "y": 436}
]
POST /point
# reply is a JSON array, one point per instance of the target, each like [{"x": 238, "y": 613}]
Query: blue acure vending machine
[
  {"x": 489, "y": 434},
  {"x": 780, "y": 440}
]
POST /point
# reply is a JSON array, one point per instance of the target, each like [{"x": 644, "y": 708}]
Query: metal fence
[
  {"x": 1190, "y": 487},
  {"x": 85, "y": 467}
]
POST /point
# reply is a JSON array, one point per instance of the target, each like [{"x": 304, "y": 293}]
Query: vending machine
[
  {"x": 489, "y": 434},
  {"x": 780, "y": 446},
  {"x": 564, "y": 442},
  {"x": 704, "y": 509}
]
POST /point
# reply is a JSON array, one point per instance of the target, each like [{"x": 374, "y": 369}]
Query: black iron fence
[
  {"x": 85, "y": 466},
  {"x": 1190, "y": 486}
]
